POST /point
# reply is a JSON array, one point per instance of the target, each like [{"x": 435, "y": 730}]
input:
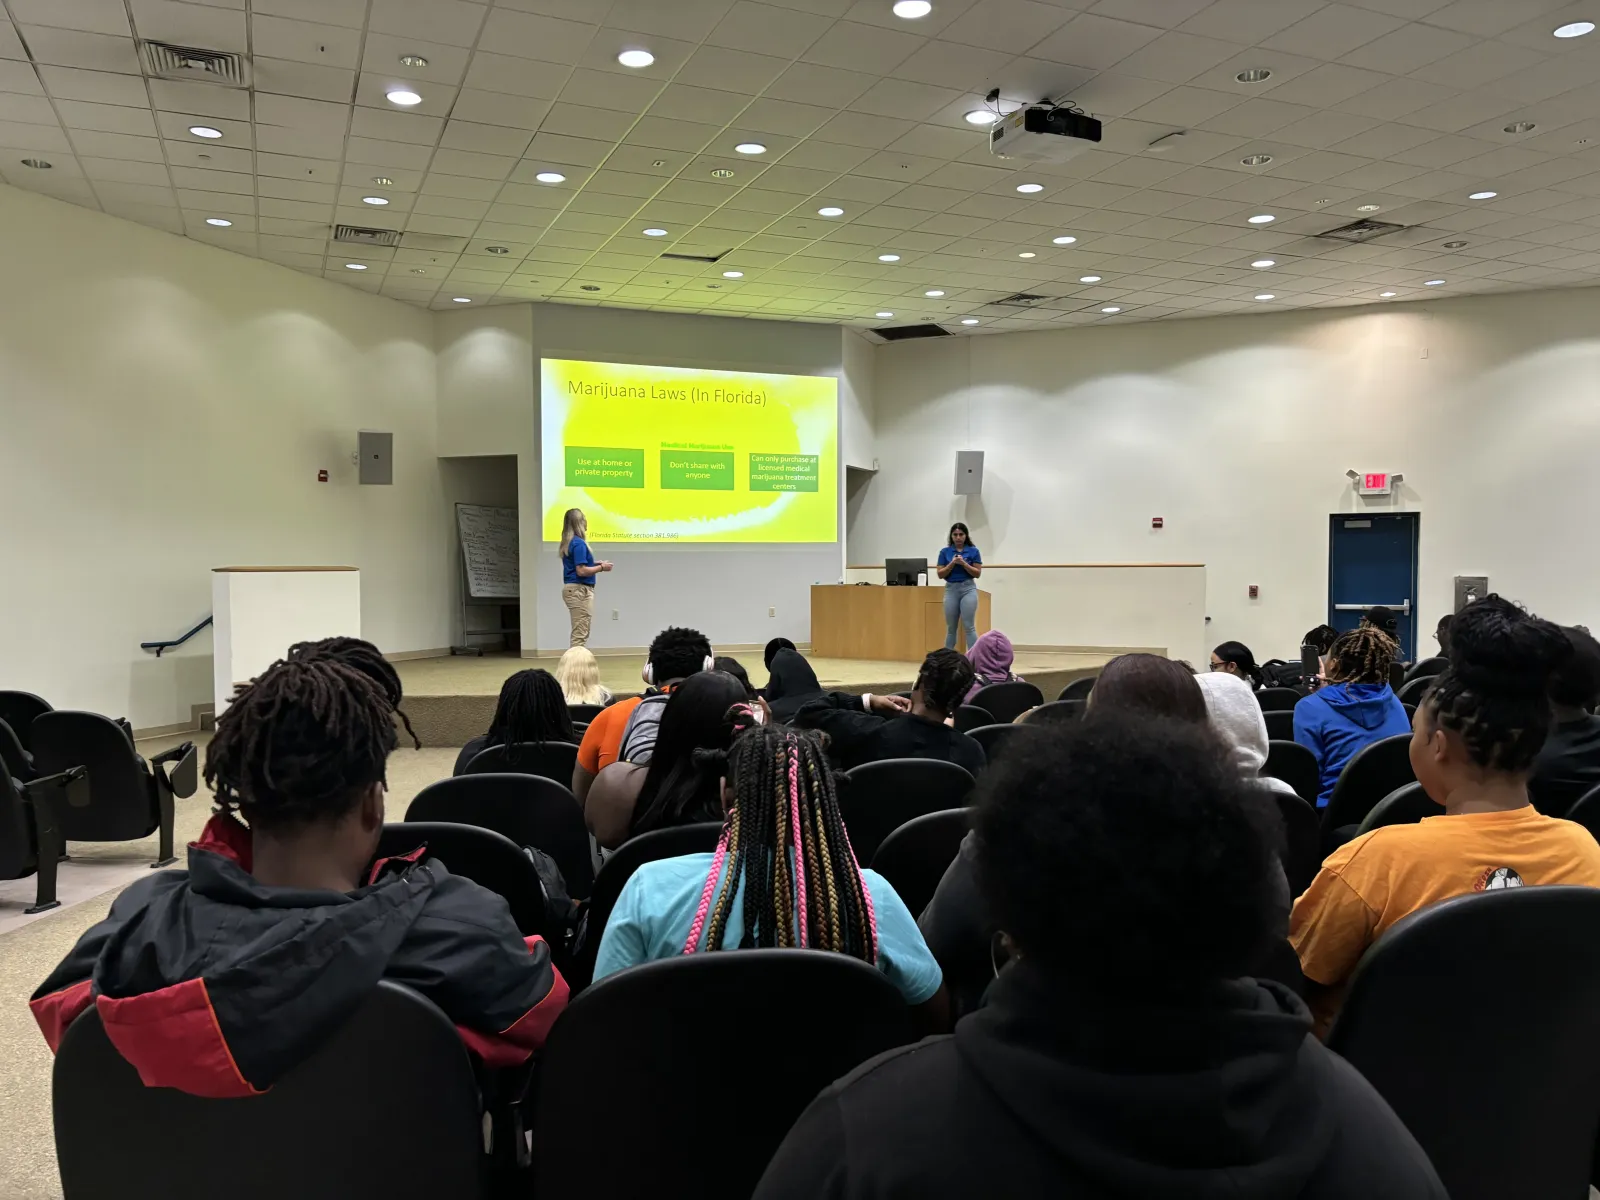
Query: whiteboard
[{"x": 489, "y": 551}]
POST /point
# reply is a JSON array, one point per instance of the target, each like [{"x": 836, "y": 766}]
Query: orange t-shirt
[
  {"x": 603, "y": 738},
  {"x": 1366, "y": 886}
]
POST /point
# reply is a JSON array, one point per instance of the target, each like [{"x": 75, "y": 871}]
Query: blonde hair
[
  {"x": 569, "y": 528},
  {"x": 579, "y": 676}
]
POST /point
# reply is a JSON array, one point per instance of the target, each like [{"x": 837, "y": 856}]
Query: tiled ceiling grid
[{"x": 1406, "y": 105}]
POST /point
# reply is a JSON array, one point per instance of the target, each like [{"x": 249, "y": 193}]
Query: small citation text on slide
[{"x": 679, "y": 454}]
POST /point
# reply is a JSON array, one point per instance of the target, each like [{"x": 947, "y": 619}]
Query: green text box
[
  {"x": 783, "y": 472},
  {"x": 604, "y": 466},
  {"x": 696, "y": 471}
]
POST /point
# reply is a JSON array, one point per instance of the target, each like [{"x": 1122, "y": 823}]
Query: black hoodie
[
  {"x": 792, "y": 683},
  {"x": 1228, "y": 1097}
]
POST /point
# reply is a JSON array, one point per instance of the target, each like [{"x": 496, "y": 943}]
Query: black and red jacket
[{"x": 212, "y": 983}]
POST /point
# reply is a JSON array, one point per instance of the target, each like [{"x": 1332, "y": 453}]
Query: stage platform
[{"x": 451, "y": 700}]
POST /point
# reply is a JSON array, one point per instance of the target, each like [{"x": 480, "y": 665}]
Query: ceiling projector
[{"x": 1044, "y": 133}]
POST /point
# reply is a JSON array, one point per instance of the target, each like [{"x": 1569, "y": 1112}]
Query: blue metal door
[{"x": 1372, "y": 560}]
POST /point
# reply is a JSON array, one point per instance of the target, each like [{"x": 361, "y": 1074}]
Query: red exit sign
[{"x": 1376, "y": 483}]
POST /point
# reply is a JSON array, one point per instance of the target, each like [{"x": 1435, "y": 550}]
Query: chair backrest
[
  {"x": 18, "y": 709},
  {"x": 1078, "y": 689},
  {"x": 1474, "y": 1019},
  {"x": 1412, "y": 691},
  {"x": 489, "y": 859},
  {"x": 118, "y": 801},
  {"x": 1302, "y": 853},
  {"x": 18, "y": 838},
  {"x": 1406, "y": 805},
  {"x": 1296, "y": 766},
  {"x": 1277, "y": 699},
  {"x": 617, "y": 869},
  {"x": 529, "y": 809},
  {"x": 915, "y": 857},
  {"x": 877, "y": 798},
  {"x": 553, "y": 760},
  {"x": 14, "y": 760},
  {"x": 1374, "y": 772},
  {"x": 392, "y": 1086},
  {"x": 650, "y": 1049},
  {"x": 1586, "y": 812},
  {"x": 585, "y": 712},
  {"x": 995, "y": 738},
  {"x": 970, "y": 717},
  {"x": 1427, "y": 669},
  {"x": 1056, "y": 711},
  {"x": 1008, "y": 701},
  {"x": 1280, "y": 724}
]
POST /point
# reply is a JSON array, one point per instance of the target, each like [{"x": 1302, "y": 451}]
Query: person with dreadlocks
[
  {"x": 1477, "y": 735},
  {"x": 1357, "y": 708},
  {"x": 532, "y": 708},
  {"x": 783, "y": 875},
  {"x": 220, "y": 979}
]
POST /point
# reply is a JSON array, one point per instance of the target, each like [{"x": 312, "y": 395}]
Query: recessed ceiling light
[
  {"x": 1263, "y": 219},
  {"x": 1030, "y": 187},
  {"x": 1111, "y": 308},
  {"x": 655, "y": 233},
  {"x": 830, "y": 211},
  {"x": 1575, "y": 29},
  {"x": 404, "y": 97},
  {"x": 418, "y": 271},
  {"x": 969, "y": 320},
  {"x": 377, "y": 200},
  {"x": 355, "y": 266},
  {"x": 1254, "y": 75},
  {"x": 722, "y": 173},
  {"x": 550, "y": 177},
  {"x": 38, "y": 164},
  {"x": 588, "y": 287},
  {"x": 888, "y": 258},
  {"x": 733, "y": 274},
  {"x": 1483, "y": 195},
  {"x": 413, "y": 60},
  {"x": 750, "y": 148},
  {"x": 1064, "y": 240},
  {"x": 1255, "y": 160},
  {"x": 1521, "y": 127},
  {"x": 383, "y": 181},
  {"x": 1261, "y": 264},
  {"x": 1433, "y": 283},
  {"x": 205, "y": 131},
  {"x": 1368, "y": 207},
  {"x": 1388, "y": 295},
  {"x": 884, "y": 316},
  {"x": 1454, "y": 245},
  {"x": 1089, "y": 279},
  {"x": 636, "y": 58},
  {"x": 1266, "y": 296},
  {"x": 462, "y": 300},
  {"x": 982, "y": 116},
  {"x": 934, "y": 294},
  {"x": 498, "y": 249},
  {"x": 912, "y": 10},
  {"x": 1027, "y": 254},
  {"x": 219, "y": 222}
]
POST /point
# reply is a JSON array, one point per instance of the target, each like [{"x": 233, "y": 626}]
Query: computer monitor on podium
[{"x": 904, "y": 571}]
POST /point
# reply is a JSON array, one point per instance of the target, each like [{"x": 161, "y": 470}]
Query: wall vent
[
  {"x": 906, "y": 333},
  {"x": 699, "y": 258},
  {"x": 194, "y": 65},
  {"x": 1362, "y": 231},
  {"x": 1023, "y": 300},
  {"x": 361, "y": 236}
]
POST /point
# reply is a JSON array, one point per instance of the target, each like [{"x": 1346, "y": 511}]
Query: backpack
[{"x": 639, "y": 735}]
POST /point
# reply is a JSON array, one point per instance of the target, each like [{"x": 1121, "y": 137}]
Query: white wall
[
  {"x": 164, "y": 409},
  {"x": 488, "y": 404},
  {"x": 1238, "y": 431}
]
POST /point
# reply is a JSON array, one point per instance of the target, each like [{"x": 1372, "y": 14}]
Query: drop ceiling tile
[
  {"x": 903, "y": 99},
  {"x": 1460, "y": 112},
  {"x": 305, "y": 41},
  {"x": 1332, "y": 31},
  {"x": 517, "y": 76},
  {"x": 852, "y": 46},
  {"x": 574, "y": 120},
  {"x": 1257, "y": 118},
  {"x": 118, "y": 145},
  {"x": 1479, "y": 64},
  {"x": 10, "y": 44},
  {"x": 189, "y": 24},
  {"x": 1185, "y": 106},
  {"x": 392, "y": 125},
  {"x": 309, "y": 143},
  {"x": 498, "y": 108},
  {"x": 69, "y": 83},
  {"x": 448, "y": 22},
  {"x": 1408, "y": 48},
  {"x": 89, "y": 51},
  {"x": 1327, "y": 85},
  {"x": 1247, "y": 21},
  {"x": 528, "y": 35},
  {"x": 105, "y": 118},
  {"x": 1396, "y": 99},
  {"x": 307, "y": 190},
  {"x": 764, "y": 29},
  {"x": 1094, "y": 42},
  {"x": 390, "y": 156},
  {"x": 90, "y": 16},
  {"x": 809, "y": 83},
  {"x": 485, "y": 139},
  {"x": 1014, "y": 26},
  {"x": 476, "y": 166}
]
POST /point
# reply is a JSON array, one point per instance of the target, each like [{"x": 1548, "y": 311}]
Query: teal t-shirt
[{"x": 653, "y": 916}]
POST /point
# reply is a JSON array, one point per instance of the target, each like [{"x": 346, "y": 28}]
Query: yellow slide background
[{"x": 665, "y": 453}]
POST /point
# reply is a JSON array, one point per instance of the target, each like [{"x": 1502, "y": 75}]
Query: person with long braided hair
[
  {"x": 783, "y": 875},
  {"x": 1476, "y": 736},
  {"x": 1355, "y": 709},
  {"x": 219, "y": 979},
  {"x": 531, "y": 708}
]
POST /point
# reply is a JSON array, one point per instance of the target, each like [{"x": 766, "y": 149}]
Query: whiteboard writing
[{"x": 490, "y": 551}]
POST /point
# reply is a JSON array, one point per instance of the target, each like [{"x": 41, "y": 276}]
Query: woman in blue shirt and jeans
[
  {"x": 960, "y": 564},
  {"x": 578, "y": 569}
]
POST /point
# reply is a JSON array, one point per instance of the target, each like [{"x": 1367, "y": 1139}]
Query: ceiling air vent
[
  {"x": 361, "y": 236},
  {"x": 1362, "y": 231},
  {"x": 1023, "y": 300},
  {"x": 193, "y": 65},
  {"x": 699, "y": 258},
  {"x": 905, "y": 333}
]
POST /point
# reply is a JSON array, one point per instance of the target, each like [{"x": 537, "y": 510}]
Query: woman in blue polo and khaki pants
[{"x": 578, "y": 569}]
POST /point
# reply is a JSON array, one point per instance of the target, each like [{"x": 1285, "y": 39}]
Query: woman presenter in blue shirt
[{"x": 960, "y": 564}]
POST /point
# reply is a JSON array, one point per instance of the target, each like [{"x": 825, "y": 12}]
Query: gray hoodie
[{"x": 1236, "y": 716}]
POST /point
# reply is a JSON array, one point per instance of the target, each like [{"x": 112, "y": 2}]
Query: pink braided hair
[
  {"x": 799, "y": 840},
  {"x": 705, "y": 894}
]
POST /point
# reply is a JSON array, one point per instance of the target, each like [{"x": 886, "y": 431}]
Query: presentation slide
[{"x": 681, "y": 455}]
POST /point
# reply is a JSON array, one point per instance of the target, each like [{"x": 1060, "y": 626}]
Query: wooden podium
[{"x": 897, "y": 624}]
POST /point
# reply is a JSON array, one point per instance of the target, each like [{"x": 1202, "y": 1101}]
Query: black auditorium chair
[
  {"x": 1280, "y": 724},
  {"x": 1428, "y": 668},
  {"x": 639, "y": 1047},
  {"x": 30, "y": 832},
  {"x": 529, "y": 809},
  {"x": 1586, "y": 812},
  {"x": 1008, "y": 701},
  {"x": 1412, "y": 691},
  {"x": 1296, "y": 766},
  {"x": 392, "y": 1086},
  {"x": 1474, "y": 1018},
  {"x": 553, "y": 760},
  {"x": 1055, "y": 712},
  {"x": 585, "y": 712},
  {"x": 489, "y": 859},
  {"x": 1302, "y": 852},
  {"x": 617, "y": 869},
  {"x": 18, "y": 710},
  {"x": 1411, "y": 710},
  {"x": 122, "y": 798},
  {"x": 970, "y": 717},
  {"x": 995, "y": 738},
  {"x": 1278, "y": 699},
  {"x": 877, "y": 798},
  {"x": 14, "y": 759},
  {"x": 1397, "y": 674},
  {"x": 1078, "y": 689},
  {"x": 1406, "y": 805},
  {"x": 1374, "y": 772},
  {"x": 915, "y": 857}
]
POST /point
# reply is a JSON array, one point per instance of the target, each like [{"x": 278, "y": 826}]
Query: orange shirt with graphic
[
  {"x": 603, "y": 738},
  {"x": 1366, "y": 886}
]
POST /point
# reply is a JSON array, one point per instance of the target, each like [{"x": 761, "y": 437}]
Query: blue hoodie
[{"x": 1342, "y": 718}]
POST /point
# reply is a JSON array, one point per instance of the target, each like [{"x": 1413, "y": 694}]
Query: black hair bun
[{"x": 1497, "y": 646}]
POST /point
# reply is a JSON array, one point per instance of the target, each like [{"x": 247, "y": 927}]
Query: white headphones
[{"x": 649, "y": 673}]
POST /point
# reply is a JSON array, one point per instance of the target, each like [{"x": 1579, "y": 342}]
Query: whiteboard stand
[{"x": 490, "y": 569}]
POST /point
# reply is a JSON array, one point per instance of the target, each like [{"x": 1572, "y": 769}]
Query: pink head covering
[{"x": 991, "y": 657}]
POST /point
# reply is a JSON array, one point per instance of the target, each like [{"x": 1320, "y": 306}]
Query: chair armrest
[
  {"x": 184, "y": 776},
  {"x": 73, "y": 781}
]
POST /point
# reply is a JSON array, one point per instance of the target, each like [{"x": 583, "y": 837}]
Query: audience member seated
[
  {"x": 531, "y": 708},
  {"x": 680, "y": 785},
  {"x": 732, "y": 666},
  {"x": 1478, "y": 732},
  {"x": 675, "y": 655},
  {"x": 1124, "y": 1051},
  {"x": 783, "y": 875},
  {"x": 1355, "y": 709},
  {"x": 991, "y": 657},
  {"x": 1321, "y": 639},
  {"x": 1384, "y": 620},
  {"x": 863, "y": 729},
  {"x": 578, "y": 673},
  {"x": 1238, "y": 722},
  {"x": 791, "y": 684},
  {"x": 219, "y": 979},
  {"x": 1234, "y": 658},
  {"x": 1569, "y": 764},
  {"x": 1441, "y": 634},
  {"x": 1150, "y": 685},
  {"x": 771, "y": 651}
]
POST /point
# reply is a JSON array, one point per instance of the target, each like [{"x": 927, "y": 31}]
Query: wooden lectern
[{"x": 896, "y": 624}]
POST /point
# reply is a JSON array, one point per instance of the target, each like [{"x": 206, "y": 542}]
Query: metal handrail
[{"x": 158, "y": 647}]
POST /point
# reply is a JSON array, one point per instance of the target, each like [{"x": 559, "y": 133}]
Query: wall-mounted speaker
[
  {"x": 375, "y": 456},
  {"x": 969, "y": 472}
]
